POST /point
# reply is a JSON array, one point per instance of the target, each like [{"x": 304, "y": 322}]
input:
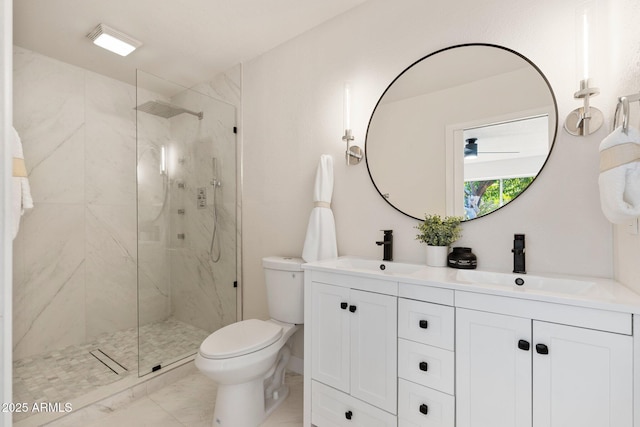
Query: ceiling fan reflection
[{"x": 471, "y": 149}]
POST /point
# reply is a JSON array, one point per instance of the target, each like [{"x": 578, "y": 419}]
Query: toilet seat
[{"x": 240, "y": 338}]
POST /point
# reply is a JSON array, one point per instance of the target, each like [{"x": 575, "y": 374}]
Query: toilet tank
[{"x": 285, "y": 288}]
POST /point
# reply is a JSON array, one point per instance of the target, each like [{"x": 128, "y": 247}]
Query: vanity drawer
[
  {"x": 414, "y": 400},
  {"x": 426, "y": 323},
  {"x": 426, "y": 293},
  {"x": 426, "y": 365},
  {"x": 331, "y": 407}
]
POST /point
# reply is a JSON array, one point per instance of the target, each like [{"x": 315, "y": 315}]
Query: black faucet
[
  {"x": 518, "y": 254},
  {"x": 388, "y": 245}
]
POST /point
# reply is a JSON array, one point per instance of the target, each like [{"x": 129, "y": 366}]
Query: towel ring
[{"x": 623, "y": 104}]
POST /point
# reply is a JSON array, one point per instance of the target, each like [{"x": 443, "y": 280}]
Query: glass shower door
[{"x": 186, "y": 188}]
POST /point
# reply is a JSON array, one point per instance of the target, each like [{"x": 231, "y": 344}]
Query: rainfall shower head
[{"x": 166, "y": 110}]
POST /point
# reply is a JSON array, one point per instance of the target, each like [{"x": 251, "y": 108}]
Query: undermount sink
[
  {"x": 525, "y": 281},
  {"x": 376, "y": 266}
]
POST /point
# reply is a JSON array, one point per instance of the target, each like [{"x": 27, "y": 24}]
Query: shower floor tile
[{"x": 62, "y": 375}]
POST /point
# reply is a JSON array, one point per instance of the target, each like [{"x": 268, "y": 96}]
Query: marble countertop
[{"x": 592, "y": 292}]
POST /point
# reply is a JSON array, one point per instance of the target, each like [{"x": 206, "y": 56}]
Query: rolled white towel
[
  {"x": 619, "y": 179},
  {"x": 320, "y": 241},
  {"x": 21, "y": 197}
]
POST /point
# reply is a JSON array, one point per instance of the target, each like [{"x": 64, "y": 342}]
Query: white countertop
[{"x": 593, "y": 292}]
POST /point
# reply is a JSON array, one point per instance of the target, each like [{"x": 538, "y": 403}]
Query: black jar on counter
[{"x": 462, "y": 258}]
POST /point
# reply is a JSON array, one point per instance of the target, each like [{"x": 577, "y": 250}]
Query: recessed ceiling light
[{"x": 113, "y": 40}]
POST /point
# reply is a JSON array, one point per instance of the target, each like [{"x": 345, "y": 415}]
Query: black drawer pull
[
  {"x": 424, "y": 409},
  {"x": 344, "y": 305},
  {"x": 352, "y": 308},
  {"x": 348, "y": 415},
  {"x": 424, "y": 324},
  {"x": 524, "y": 345},
  {"x": 424, "y": 366},
  {"x": 542, "y": 349}
]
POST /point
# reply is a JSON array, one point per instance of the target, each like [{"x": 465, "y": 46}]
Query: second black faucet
[
  {"x": 387, "y": 244},
  {"x": 518, "y": 254}
]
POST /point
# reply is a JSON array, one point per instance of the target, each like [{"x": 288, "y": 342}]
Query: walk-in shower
[
  {"x": 123, "y": 270},
  {"x": 186, "y": 275}
]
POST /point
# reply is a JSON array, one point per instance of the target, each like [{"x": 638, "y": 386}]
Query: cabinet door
[
  {"x": 493, "y": 370},
  {"x": 374, "y": 349},
  {"x": 330, "y": 335},
  {"x": 584, "y": 379}
]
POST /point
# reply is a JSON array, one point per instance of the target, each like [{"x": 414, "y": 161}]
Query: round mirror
[{"x": 463, "y": 131}]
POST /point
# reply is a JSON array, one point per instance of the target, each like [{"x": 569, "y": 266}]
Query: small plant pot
[{"x": 437, "y": 256}]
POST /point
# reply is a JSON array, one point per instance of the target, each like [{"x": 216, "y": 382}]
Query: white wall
[
  {"x": 6, "y": 90},
  {"x": 625, "y": 60},
  {"x": 292, "y": 111}
]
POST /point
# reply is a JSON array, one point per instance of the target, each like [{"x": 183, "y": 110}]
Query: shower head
[{"x": 166, "y": 110}]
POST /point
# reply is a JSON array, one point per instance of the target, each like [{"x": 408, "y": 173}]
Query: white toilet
[{"x": 247, "y": 359}]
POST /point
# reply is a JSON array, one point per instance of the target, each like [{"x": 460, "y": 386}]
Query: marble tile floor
[
  {"x": 187, "y": 402},
  {"x": 62, "y": 375}
]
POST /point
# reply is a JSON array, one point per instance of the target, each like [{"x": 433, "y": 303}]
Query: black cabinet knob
[
  {"x": 424, "y": 366},
  {"x": 424, "y": 409},
  {"x": 348, "y": 415},
  {"x": 424, "y": 324},
  {"x": 343, "y": 305},
  {"x": 542, "y": 349},
  {"x": 352, "y": 308},
  {"x": 524, "y": 345}
]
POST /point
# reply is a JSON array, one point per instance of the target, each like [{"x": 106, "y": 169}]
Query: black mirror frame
[{"x": 555, "y": 133}]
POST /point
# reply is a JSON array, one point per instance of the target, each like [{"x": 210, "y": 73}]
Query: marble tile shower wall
[
  {"x": 202, "y": 292},
  {"x": 75, "y": 255},
  {"x": 154, "y": 273}
]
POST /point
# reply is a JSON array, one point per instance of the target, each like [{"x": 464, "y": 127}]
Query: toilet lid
[{"x": 240, "y": 338}]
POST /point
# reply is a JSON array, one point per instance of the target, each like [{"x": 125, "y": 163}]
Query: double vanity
[{"x": 392, "y": 344}]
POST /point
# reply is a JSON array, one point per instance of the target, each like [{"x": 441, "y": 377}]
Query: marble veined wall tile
[
  {"x": 190, "y": 270},
  {"x": 19, "y": 252},
  {"x": 202, "y": 291},
  {"x": 111, "y": 294},
  {"x": 225, "y": 86},
  {"x": 154, "y": 282},
  {"x": 191, "y": 275},
  {"x": 49, "y": 300},
  {"x": 49, "y": 116},
  {"x": 154, "y": 273},
  {"x": 110, "y": 141}
]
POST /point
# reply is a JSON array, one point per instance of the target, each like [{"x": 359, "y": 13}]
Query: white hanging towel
[
  {"x": 21, "y": 196},
  {"x": 320, "y": 242},
  {"x": 619, "y": 178}
]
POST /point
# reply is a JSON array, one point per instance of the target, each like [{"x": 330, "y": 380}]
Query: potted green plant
[{"x": 438, "y": 233}]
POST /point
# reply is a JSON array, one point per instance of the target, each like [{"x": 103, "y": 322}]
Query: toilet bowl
[{"x": 247, "y": 359}]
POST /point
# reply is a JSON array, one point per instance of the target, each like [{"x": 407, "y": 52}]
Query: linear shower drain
[{"x": 109, "y": 362}]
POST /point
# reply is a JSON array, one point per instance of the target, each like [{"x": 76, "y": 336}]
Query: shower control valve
[{"x": 202, "y": 197}]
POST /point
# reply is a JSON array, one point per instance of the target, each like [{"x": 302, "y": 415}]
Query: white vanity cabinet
[
  {"x": 515, "y": 371},
  {"x": 353, "y": 356},
  {"x": 412, "y": 346}
]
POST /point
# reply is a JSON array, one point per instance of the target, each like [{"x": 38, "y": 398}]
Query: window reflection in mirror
[{"x": 503, "y": 161}]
